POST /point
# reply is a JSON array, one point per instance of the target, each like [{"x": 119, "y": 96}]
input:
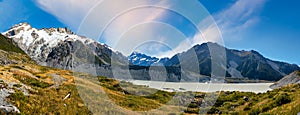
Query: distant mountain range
[
  {"x": 140, "y": 59},
  {"x": 61, "y": 48}
]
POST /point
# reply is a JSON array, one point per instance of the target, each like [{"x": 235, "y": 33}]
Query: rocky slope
[
  {"x": 240, "y": 64},
  {"x": 10, "y": 53},
  {"x": 61, "y": 48},
  {"x": 293, "y": 78},
  {"x": 33, "y": 89}
]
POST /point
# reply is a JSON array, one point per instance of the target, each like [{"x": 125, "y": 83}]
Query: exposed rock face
[
  {"x": 13, "y": 58},
  {"x": 249, "y": 64},
  {"x": 6, "y": 89},
  {"x": 293, "y": 78},
  {"x": 239, "y": 64},
  {"x": 61, "y": 48},
  {"x": 5, "y": 106}
]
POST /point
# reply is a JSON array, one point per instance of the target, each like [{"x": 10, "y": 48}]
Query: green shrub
[
  {"x": 18, "y": 96},
  {"x": 254, "y": 112},
  {"x": 17, "y": 85},
  {"x": 193, "y": 105},
  {"x": 282, "y": 99},
  {"x": 33, "y": 82},
  {"x": 1, "y": 82}
]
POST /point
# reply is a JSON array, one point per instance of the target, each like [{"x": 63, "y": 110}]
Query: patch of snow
[{"x": 143, "y": 59}]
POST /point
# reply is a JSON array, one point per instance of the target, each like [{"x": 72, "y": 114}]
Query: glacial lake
[{"x": 205, "y": 87}]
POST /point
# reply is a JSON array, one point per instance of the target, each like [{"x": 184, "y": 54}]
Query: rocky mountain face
[
  {"x": 293, "y": 78},
  {"x": 240, "y": 64},
  {"x": 61, "y": 48}
]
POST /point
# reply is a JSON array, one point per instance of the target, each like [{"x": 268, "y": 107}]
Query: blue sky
[
  {"x": 271, "y": 27},
  {"x": 17, "y": 11}
]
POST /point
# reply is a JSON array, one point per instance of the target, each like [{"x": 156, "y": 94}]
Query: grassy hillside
[
  {"x": 7, "y": 45},
  {"x": 48, "y": 86},
  {"x": 283, "y": 101}
]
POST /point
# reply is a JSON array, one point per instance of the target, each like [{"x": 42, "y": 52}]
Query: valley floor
[{"x": 42, "y": 90}]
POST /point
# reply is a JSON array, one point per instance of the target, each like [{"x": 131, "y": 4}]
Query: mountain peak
[
  {"x": 39, "y": 43},
  {"x": 137, "y": 58},
  {"x": 23, "y": 24},
  {"x": 64, "y": 30},
  {"x": 25, "y": 33}
]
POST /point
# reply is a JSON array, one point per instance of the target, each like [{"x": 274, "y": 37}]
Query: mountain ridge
[
  {"x": 42, "y": 45},
  {"x": 240, "y": 63},
  {"x": 61, "y": 48}
]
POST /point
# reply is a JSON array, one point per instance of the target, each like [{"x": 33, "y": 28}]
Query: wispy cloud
[
  {"x": 240, "y": 16},
  {"x": 70, "y": 12},
  {"x": 130, "y": 20},
  {"x": 116, "y": 17},
  {"x": 132, "y": 25}
]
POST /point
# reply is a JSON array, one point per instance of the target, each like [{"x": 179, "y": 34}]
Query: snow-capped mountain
[
  {"x": 59, "y": 47},
  {"x": 141, "y": 59},
  {"x": 39, "y": 43}
]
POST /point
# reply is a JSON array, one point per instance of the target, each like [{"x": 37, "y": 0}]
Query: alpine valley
[{"x": 48, "y": 71}]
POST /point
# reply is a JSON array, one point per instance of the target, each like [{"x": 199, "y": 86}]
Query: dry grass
[{"x": 103, "y": 95}]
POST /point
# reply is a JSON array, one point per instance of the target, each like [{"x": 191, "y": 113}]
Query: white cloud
[
  {"x": 121, "y": 17},
  {"x": 91, "y": 17},
  {"x": 70, "y": 12},
  {"x": 240, "y": 16},
  {"x": 130, "y": 20}
]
